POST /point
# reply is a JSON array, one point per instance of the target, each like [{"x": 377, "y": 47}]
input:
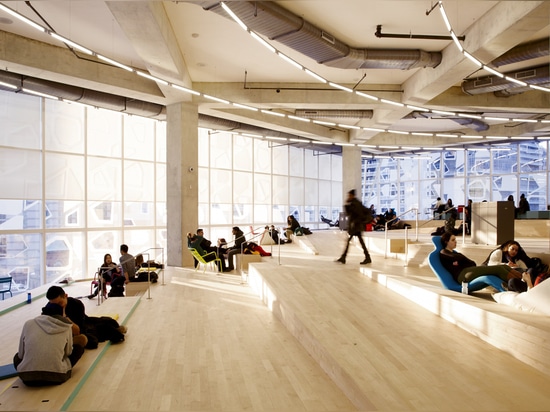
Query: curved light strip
[
  {"x": 300, "y": 67},
  {"x": 480, "y": 63}
]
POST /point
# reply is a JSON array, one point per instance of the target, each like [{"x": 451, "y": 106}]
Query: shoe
[
  {"x": 342, "y": 260},
  {"x": 366, "y": 261},
  {"x": 227, "y": 270},
  {"x": 122, "y": 329}
]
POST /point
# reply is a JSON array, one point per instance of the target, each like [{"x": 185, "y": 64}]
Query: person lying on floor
[{"x": 464, "y": 269}]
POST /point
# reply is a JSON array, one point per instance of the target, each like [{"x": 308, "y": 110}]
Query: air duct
[
  {"x": 523, "y": 52},
  {"x": 84, "y": 96},
  {"x": 536, "y": 75},
  {"x": 276, "y": 23}
]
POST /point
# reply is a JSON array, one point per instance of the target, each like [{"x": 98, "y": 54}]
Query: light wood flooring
[{"x": 205, "y": 342}]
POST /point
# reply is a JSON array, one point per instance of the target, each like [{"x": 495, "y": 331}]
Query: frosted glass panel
[
  {"x": 242, "y": 149},
  {"x": 222, "y": 213},
  {"x": 262, "y": 215},
  {"x": 20, "y": 120},
  {"x": 280, "y": 160},
  {"x": 160, "y": 184},
  {"x": 101, "y": 243},
  {"x": 336, "y": 168},
  {"x": 64, "y": 127},
  {"x": 325, "y": 189},
  {"x": 242, "y": 189},
  {"x": 104, "y": 214},
  {"x": 104, "y": 179},
  {"x": 160, "y": 138},
  {"x": 139, "y": 141},
  {"x": 262, "y": 156},
  {"x": 280, "y": 190},
  {"x": 204, "y": 215},
  {"x": 104, "y": 134},
  {"x": 139, "y": 214},
  {"x": 220, "y": 151},
  {"x": 64, "y": 213},
  {"x": 296, "y": 161},
  {"x": 311, "y": 192},
  {"x": 242, "y": 215},
  {"x": 337, "y": 195},
  {"x": 64, "y": 255},
  {"x": 204, "y": 186},
  {"x": 138, "y": 241},
  {"x": 262, "y": 189},
  {"x": 325, "y": 167},
  {"x": 203, "y": 141},
  {"x": 139, "y": 181},
  {"x": 220, "y": 186},
  {"x": 296, "y": 191},
  {"x": 20, "y": 214},
  {"x": 312, "y": 164},
  {"x": 64, "y": 177},
  {"x": 20, "y": 174}
]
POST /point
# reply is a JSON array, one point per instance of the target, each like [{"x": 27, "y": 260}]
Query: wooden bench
[{"x": 15, "y": 395}]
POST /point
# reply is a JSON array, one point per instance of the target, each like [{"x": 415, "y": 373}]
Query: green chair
[{"x": 203, "y": 258}]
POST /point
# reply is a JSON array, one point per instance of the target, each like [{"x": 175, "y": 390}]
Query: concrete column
[
  {"x": 351, "y": 173},
  {"x": 182, "y": 194}
]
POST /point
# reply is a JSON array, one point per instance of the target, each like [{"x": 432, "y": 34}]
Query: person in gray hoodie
[{"x": 46, "y": 353}]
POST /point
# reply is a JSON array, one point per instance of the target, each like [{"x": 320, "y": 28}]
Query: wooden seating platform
[
  {"x": 335, "y": 316},
  {"x": 14, "y": 395}
]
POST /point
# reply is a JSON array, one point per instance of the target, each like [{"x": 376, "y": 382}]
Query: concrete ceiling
[{"x": 183, "y": 43}]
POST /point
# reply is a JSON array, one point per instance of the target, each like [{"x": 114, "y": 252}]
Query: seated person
[
  {"x": 255, "y": 249},
  {"x": 47, "y": 352},
  {"x": 195, "y": 242},
  {"x": 107, "y": 271},
  {"x": 128, "y": 269},
  {"x": 464, "y": 269},
  {"x": 510, "y": 253},
  {"x": 239, "y": 241},
  {"x": 293, "y": 224}
]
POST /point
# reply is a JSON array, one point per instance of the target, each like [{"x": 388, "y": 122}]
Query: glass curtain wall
[
  {"x": 251, "y": 182},
  {"x": 490, "y": 173},
  {"x": 76, "y": 183}
]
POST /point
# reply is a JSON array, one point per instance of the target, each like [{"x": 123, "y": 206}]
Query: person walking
[{"x": 358, "y": 217}]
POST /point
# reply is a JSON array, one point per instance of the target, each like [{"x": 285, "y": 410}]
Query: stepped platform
[{"x": 335, "y": 315}]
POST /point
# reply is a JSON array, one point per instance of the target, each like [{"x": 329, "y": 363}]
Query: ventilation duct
[
  {"x": 131, "y": 106},
  {"x": 524, "y": 52},
  {"x": 474, "y": 124},
  {"x": 536, "y": 75},
  {"x": 335, "y": 114},
  {"x": 277, "y": 23},
  {"x": 84, "y": 96}
]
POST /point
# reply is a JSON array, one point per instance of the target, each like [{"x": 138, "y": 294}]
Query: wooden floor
[{"x": 204, "y": 342}]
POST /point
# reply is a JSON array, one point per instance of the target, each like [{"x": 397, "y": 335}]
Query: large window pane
[
  {"x": 139, "y": 181},
  {"x": 99, "y": 244},
  {"x": 64, "y": 127},
  {"x": 242, "y": 188},
  {"x": 280, "y": 159},
  {"x": 139, "y": 138},
  {"x": 139, "y": 214},
  {"x": 104, "y": 133},
  {"x": 505, "y": 158},
  {"x": 20, "y": 259},
  {"x": 242, "y": 153},
  {"x": 20, "y": 214},
  {"x": 64, "y": 214},
  {"x": 262, "y": 188},
  {"x": 262, "y": 156},
  {"x": 296, "y": 161},
  {"x": 532, "y": 156},
  {"x": 20, "y": 174},
  {"x": 311, "y": 164},
  {"x": 220, "y": 151},
  {"x": 20, "y": 120},
  {"x": 64, "y": 255},
  {"x": 220, "y": 186},
  {"x": 104, "y": 214},
  {"x": 64, "y": 177},
  {"x": 104, "y": 178}
]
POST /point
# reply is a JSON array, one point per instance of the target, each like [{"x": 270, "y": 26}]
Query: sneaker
[
  {"x": 342, "y": 260},
  {"x": 366, "y": 261}
]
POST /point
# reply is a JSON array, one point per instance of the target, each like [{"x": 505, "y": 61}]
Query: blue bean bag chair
[{"x": 447, "y": 279}]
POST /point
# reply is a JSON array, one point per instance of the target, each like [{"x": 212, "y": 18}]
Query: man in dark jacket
[
  {"x": 358, "y": 216},
  {"x": 240, "y": 240}
]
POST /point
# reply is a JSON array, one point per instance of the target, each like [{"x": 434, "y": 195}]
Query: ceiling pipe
[
  {"x": 523, "y": 52},
  {"x": 276, "y": 23},
  {"x": 378, "y": 33},
  {"x": 335, "y": 114}
]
